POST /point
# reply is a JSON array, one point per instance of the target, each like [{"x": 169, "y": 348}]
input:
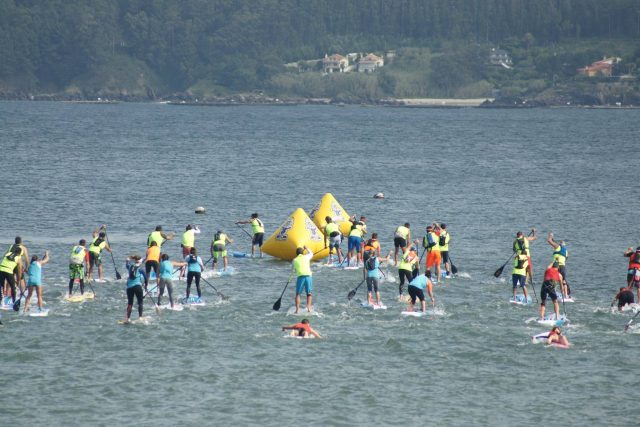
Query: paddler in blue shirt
[
  {"x": 134, "y": 285},
  {"x": 416, "y": 290}
]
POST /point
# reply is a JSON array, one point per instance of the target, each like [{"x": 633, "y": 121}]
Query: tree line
[{"x": 242, "y": 44}]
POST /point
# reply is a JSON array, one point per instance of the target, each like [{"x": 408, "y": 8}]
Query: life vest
[
  {"x": 189, "y": 238},
  {"x": 155, "y": 236},
  {"x": 520, "y": 245},
  {"x": 219, "y": 242},
  {"x": 302, "y": 265},
  {"x": 370, "y": 263},
  {"x": 520, "y": 264},
  {"x": 443, "y": 241},
  {"x": 355, "y": 231},
  {"x": 402, "y": 232},
  {"x": 257, "y": 226},
  {"x": 407, "y": 262},
  {"x": 97, "y": 245},
  {"x": 78, "y": 255},
  {"x": 9, "y": 262},
  {"x": 634, "y": 261},
  {"x": 331, "y": 229},
  {"x": 153, "y": 253},
  {"x": 560, "y": 255}
]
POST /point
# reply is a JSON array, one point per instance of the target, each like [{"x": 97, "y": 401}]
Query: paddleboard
[
  {"x": 176, "y": 307},
  {"x": 193, "y": 301},
  {"x": 414, "y": 313},
  {"x": 540, "y": 338},
  {"x": 7, "y": 304},
  {"x": 549, "y": 320},
  {"x": 373, "y": 306},
  {"x": 519, "y": 300},
  {"x": 352, "y": 267},
  {"x": 240, "y": 254},
  {"x": 38, "y": 313},
  {"x": 221, "y": 272},
  {"x": 303, "y": 312},
  {"x": 80, "y": 297},
  {"x": 562, "y": 299},
  {"x": 298, "y": 337},
  {"x": 144, "y": 320}
]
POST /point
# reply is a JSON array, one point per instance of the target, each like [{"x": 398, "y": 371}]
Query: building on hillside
[
  {"x": 335, "y": 63},
  {"x": 370, "y": 63},
  {"x": 603, "y": 67},
  {"x": 500, "y": 57},
  {"x": 390, "y": 55}
]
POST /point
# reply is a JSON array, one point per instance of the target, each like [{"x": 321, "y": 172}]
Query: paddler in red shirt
[
  {"x": 552, "y": 277},
  {"x": 302, "y": 329}
]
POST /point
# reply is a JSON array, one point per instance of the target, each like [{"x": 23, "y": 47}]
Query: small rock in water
[
  {"x": 200, "y": 210},
  {"x": 378, "y": 196}
]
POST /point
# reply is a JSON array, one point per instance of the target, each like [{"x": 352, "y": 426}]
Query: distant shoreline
[{"x": 241, "y": 100}]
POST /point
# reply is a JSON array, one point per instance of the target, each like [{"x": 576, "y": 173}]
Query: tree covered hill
[{"x": 155, "y": 48}]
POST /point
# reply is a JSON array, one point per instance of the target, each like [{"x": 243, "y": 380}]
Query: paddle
[
  {"x": 16, "y": 305},
  {"x": 91, "y": 286},
  {"x": 454, "y": 269},
  {"x": 245, "y": 231},
  {"x": 154, "y": 302},
  {"x": 498, "y": 272},
  {"x": 214, "y": 288},
  {"x": 354, "y": 290},
  {"x": 276, "y": 305},
  {"x": 118, "y": 276},
  {"x": 630, "y": 321}
]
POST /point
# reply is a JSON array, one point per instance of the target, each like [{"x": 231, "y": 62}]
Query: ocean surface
[{"x": 67, "y": 168}]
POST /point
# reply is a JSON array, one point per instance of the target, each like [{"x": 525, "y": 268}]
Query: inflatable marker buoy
[
  {"x": 200, "y": 210},
  {"x": 298, "y": 230},
  {"x": 329, "y": 206},
  {"x": 378, "y": 196}
]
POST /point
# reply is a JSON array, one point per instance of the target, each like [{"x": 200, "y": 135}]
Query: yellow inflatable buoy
[
  {"x": 329, "y": 206},
  {"x": 297, "y": 231}
]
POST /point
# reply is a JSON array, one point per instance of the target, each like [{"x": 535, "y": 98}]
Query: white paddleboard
[
  {"x": 373, "y": 306},
  {"x": 302, "y": 312},
  {"x": 144, "y": 320},
  {"x": 193, "y": 301},
  {"x": 176, "y": 307},
  {"x": 38, "y": 313},
  {"x": 414, "y": 313},
  {"x": 519, "y": 300},
  {"x": 549, "y": 320}
]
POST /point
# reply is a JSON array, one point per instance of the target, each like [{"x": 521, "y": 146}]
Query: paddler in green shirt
[{"x": 257, "y": 230}]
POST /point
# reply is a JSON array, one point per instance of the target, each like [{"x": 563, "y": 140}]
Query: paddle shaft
[
  {"x": 214, "y": 288},
  {"x": 276, "y": 305},
  {"x": 245, "y": 231},
  {"x": 630, "y": 321},
  {"x": 118, "y": 276},
  {"x": 147, "y": 294}
]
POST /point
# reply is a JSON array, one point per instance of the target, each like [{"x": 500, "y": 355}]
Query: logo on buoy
[
  {"x": 313, "y": 230},
  {"x": 282, "y": 234}
]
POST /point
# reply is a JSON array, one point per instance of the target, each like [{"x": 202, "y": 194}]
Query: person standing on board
[
  {"x": 194, "y": 271},
  {"x": 257, "y": 230},
  {"x": 166, "y": 277},
  {"x": 152, "y": 262},
  {"x": 134, "y": 285},
  {"x": 552, "y": 277},
  {"x": 98, "y": 244},
  {"x": 35, "y": 280},
  {"x": 189, "y": 239},
  {"x": 401, "y": 238},
  {"x": 633, "y": 272},
  {"x": 332, "y": 238},
  {"x": 431, "y": 244},
  {"x": 416, "y": 290},
  {"x": 219, "y": 248},
  {"x": 355, "y": 244},
  {"x": 11, "y": 262},
  {"x": 560, "y": 254},
  {"x": 78, "y": 261},
  {"x": 521, "y": 244},
  {"x": 159, "y": 237},
  {"x": 443, "y": 246},
  {"x": 519, "y": 274},
  {"x": 24, "y": 256},
  {"x": 372, "y": 276},
  {"x": 407, "y": 269},
  {"x": 304, "y": 280}
]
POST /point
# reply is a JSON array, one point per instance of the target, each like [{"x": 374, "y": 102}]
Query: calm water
[{"x": 68, "y": 168}]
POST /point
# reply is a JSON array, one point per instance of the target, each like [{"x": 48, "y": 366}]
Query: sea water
[{"x": 67, "y": 168}]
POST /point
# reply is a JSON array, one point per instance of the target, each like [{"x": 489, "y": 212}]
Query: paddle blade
[
  {"x": 16, "y": 306},
  {"x": 498, "y": 271},
  {"x": 221, "y": 295},
  {"x": 351, "y": 294},
  {"x": 454, "y": 269},
  {"x": 118, "y": 275},
  {"x": 276, "y": 305}
]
